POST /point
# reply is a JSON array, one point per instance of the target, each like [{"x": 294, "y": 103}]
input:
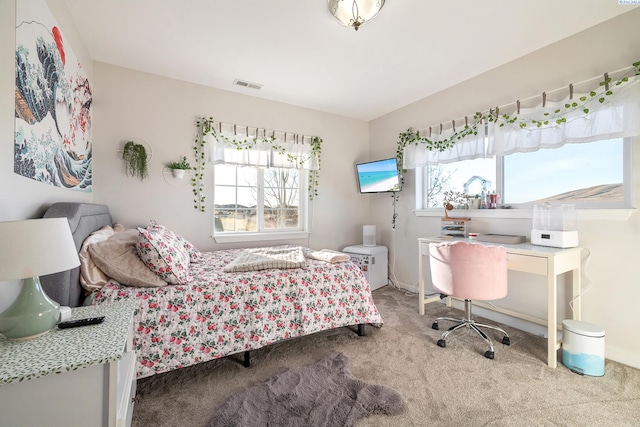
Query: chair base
[{"x": 467, "y": 321}]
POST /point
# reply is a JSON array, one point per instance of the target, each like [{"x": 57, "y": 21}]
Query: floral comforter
[{"x": 219, "y": 313}]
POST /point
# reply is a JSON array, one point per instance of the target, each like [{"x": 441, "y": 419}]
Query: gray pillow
[{"x": 118, "y": 258}]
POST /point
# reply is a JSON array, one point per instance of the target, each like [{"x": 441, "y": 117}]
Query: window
[
  {"x": 590, "y": 175},
  {"x": 250, "y": 200},
  {"x": 470, "y": 177}
]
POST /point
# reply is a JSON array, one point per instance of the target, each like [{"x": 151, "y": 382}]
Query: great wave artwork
[{"x": 53, "y": 97}]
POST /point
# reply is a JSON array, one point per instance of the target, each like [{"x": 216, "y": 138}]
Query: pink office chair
[{"x": 471, "y": 272}]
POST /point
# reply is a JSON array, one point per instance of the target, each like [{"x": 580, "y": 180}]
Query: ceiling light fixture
[{"x": 354, "y": 13}]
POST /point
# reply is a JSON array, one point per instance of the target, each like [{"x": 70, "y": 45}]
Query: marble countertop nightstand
[{"x": 63, "y": 350}]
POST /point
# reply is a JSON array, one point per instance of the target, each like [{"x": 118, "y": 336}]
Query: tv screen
[{"x": 380, "y": 176}]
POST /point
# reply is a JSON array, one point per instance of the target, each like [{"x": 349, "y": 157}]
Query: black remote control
[{"x": 80, "y": 322}]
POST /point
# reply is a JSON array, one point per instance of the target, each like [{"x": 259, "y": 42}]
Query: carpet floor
[{"x": 452, "y": 386}]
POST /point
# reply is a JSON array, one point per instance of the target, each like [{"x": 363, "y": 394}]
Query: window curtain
[
  {"x": 467, "y": 148},
  {"x": 242, "y": 146},
  {"x": 616, "y": 117}
]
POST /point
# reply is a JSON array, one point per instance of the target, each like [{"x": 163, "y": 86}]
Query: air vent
[{"x": 247, "y": 84}]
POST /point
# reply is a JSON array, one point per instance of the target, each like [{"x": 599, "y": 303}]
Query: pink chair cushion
[{"x": 469, "y": 270}]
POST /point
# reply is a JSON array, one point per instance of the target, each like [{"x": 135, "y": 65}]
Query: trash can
[{"x": 583, "y": 347}]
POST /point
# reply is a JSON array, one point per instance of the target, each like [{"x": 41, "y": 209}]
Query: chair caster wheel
[
  {"x": 442, "y": 343},
  {"x": 506, "y": 341},
  {"x": 435, "y": 326},
  {"x": 489, "y": 354}
]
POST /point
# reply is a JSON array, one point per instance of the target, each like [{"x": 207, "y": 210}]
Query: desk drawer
[{"x": 526, "y": 263}]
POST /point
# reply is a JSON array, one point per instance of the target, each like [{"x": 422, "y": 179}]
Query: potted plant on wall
[
  {"x": 178, "y": 168},
  {"x": 135, "y": 160}
]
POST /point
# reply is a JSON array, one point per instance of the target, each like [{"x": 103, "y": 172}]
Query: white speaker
[{"x": 368, "y": 235}]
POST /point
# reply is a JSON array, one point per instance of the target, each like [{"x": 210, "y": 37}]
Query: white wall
[
  {"x": 612, "y": 302},
  {"x": 162, "y": 112}
]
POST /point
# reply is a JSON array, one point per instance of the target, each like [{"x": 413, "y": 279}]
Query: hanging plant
[
  {"x": 181, "y": 165},
  {"x": 314, "y": 175},
  {"x": 205, "y": 127},
  {"x": 135, "y": 160}
]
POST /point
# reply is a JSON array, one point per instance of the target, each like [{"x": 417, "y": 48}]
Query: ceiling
[{"x": 302, "y": 55}]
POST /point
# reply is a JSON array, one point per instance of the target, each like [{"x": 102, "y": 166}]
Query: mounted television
[{"x": 380, "y": 176}]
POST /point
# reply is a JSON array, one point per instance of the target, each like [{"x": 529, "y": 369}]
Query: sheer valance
[
  {"x": 471, "y": 146},
  {"x": 224, "y": 143},
  {"x": 243, "y": 146},
  {"x": 617, "y": 116},
  {"x": 608, "y": 112}
]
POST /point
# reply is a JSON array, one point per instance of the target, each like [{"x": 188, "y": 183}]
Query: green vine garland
[
  {"x": 493, "y": 115},
  {"x": 205, "y": 126}
]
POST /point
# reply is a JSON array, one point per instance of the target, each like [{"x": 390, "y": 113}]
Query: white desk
[{"x": 541, "y": 260}]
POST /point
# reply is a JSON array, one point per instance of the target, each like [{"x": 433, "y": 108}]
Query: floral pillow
[
  {"x": 194, "y": 253},
  {"x": 164, "y": 254}
]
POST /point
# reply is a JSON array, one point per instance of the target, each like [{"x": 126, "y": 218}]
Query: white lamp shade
[
  {"x": 350, "y": 11},
  {"x": 36, "y": 247}
]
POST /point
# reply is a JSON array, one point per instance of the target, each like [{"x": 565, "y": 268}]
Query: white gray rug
[{"x": 323, "y": 394}]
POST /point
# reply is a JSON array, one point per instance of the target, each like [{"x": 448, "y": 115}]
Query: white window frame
[
  {"x": 595, "y": 211},
  {"x": 267, "y": 234}
]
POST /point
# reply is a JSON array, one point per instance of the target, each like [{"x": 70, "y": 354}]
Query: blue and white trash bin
[{"x": 583, "y": 347}]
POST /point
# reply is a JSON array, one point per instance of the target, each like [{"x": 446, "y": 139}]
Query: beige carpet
[{"x": 453, "y": 386}]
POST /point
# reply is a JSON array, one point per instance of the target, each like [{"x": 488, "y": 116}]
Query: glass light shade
[
  {"x": 29, "y": 249},
  {"x": 354, "y": 13}
]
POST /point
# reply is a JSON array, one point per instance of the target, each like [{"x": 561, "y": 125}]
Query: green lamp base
[{"x": 32, "y": 314}]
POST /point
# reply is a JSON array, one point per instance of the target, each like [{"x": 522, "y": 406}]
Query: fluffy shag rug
[{"x": 323, "y": 394}]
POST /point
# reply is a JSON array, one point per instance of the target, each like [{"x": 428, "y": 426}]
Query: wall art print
[{"x": 53, "y": 103}]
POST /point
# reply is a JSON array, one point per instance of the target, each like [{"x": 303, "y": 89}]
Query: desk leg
[
  {"x": 577, "y": 290},
  {"x": 552, "y": 319},
  {"x": 421, "y": 285}
]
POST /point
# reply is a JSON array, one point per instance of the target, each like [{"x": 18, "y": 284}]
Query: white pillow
[{"x": 91, "y": 277}]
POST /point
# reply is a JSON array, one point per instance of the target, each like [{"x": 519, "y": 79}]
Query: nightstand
[{"x": 82, "y": 376}]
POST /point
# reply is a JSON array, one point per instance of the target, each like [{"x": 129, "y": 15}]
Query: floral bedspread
[{"x": 219, "y": 313}]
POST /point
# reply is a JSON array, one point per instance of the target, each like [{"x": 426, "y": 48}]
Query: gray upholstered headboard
[{"x": 84, "y": 219}]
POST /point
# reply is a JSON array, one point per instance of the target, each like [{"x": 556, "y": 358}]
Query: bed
[{"x": 216, "y": 313}]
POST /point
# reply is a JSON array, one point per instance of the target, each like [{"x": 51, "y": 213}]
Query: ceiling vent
[{"x": 247, "y": 84}]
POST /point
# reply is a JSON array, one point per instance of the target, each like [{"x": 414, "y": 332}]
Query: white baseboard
[
  {"x": 413, "y": 288},
  {"x": 621, "y": 356}
]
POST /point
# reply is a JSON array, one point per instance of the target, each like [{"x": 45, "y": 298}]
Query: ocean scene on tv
[{"x": 379, "y": 176}]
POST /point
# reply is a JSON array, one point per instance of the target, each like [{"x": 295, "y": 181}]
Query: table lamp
[{"x": 29, "y": 249}]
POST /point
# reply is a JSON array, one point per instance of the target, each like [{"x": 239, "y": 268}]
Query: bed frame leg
[
  {"x": 361, "y": 332},
  {"x": 247, "y": 359}
]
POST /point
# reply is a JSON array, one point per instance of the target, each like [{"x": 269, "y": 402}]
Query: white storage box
[
  {"x": 583, "y": 347},
  {"x": 373, "y": 261}
]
